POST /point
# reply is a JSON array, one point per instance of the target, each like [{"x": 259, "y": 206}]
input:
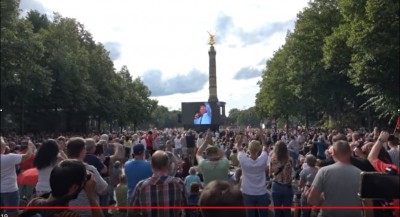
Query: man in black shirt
[
  {"x": 360, "y": 163},
  {"x": 191, "y": 144}
]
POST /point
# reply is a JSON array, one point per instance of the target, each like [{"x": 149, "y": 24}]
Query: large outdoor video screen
[{"x": 200, "y": 113}]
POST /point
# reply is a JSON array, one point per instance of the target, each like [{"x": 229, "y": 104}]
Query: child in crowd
[
  {"x": 191, "y": 178},
  {"x": 121, "y": 191},
  {"x": 234, "y": 158},
  {"x": 194, "y": 194},
  {"x": 116, "y": 173},
  {"x": 193, "y": 199}
]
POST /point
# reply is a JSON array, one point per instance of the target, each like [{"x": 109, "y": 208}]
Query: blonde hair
[{"x": 254, "y": 147}]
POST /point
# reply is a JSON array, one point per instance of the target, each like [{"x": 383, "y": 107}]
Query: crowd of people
[{"x": 184, "y": 168}]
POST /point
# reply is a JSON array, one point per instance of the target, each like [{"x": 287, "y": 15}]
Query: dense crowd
[{"x": 176, "y": 167}]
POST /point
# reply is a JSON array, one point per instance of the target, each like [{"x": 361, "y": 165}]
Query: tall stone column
[{"x": 212, "y": 75}]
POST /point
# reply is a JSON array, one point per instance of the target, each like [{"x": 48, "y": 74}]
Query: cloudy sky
[{"x": 166, "y": 42}]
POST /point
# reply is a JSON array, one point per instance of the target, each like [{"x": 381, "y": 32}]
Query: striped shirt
[{"x": 159, "y": 191}]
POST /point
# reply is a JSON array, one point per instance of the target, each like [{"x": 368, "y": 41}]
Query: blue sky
[{"x": 165, "y": 42}]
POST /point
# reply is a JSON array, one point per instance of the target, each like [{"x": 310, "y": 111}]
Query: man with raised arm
[{"x": 216, "y": 165}]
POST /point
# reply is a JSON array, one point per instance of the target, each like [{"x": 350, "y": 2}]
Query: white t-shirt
[
  {"x": 44, "y": 179},
  {"x": 178, "y": 144},
  {"x": 143, "y": 142},
  {"x": 121, "y": 150},
  {"x": 8, "y": 172},
  {"x": 82, "y": 200},
  {"x": 253, "y": 174},
  {"x": 294, "y": 145}
]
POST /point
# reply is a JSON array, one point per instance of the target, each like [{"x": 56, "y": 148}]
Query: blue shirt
[
  {"x": 204, "y": 119},
  {"x": 321, "y": 149},
  {"x": 191, "y": 179},
  {"x": 135, "y": 171}
]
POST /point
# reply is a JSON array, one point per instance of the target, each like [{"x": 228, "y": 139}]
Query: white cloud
[{"x": 170, "y": 36}]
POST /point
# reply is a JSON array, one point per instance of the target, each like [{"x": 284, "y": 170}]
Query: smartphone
[{"x": 375, "y": 185}]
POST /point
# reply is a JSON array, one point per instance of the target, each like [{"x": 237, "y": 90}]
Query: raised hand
[{"x": 384, "y": 136}]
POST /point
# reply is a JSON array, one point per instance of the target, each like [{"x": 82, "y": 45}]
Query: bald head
[
  {"x": 160, "y": 160},
  {"x": 341, "y": 149}
]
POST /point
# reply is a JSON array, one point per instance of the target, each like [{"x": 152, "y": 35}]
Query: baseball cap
[{"x": 138, "y": 149}]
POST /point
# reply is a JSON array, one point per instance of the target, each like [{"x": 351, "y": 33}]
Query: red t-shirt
[
  {"x": 381, "y": 166},
  {"x": 149, "y": 142},
  {"x": 28, "y": 163}
]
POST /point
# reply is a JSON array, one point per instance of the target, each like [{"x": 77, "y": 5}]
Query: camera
[{"x": 376, "y": 185}]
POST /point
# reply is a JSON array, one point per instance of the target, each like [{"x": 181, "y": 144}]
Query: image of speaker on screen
[{"x": 204, "y": 114}]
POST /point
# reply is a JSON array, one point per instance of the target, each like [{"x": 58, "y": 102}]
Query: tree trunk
[
  {"x": 68, "y": 121},
  {"x": 99, "y": 125},
  {"x": 134, "y": 125},
  {"x": 307, "y": 121},
  {"x": 22, "y": 117},
  {"x": 287, "y": 125},
  {"x": 369, "y": 119}
]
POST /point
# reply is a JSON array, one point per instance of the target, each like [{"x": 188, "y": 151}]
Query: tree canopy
[
  {"x": 339, "y": 66},
  {"x": 55, "y": 77}
]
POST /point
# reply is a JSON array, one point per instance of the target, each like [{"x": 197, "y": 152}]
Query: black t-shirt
[
  {"x": 360, "y": 163},
  {"x": 107, "y": 163},
  {"x": 91, "y": 159},
  {"x": 274, "y": 138},
  {"x": 314, "y": 149},
  {"x": 190, "y": 141}
]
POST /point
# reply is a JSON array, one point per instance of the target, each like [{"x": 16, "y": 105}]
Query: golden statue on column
[{"x": 212, "y": 38}]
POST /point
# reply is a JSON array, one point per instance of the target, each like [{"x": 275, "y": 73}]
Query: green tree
[
  {"x": 373, "y": 27},
  {"x": 39, "y": 21},
  {"x": 233, "y": 116},
  {"x": 24, "y": 81},
  {"x": 276, "y": 97},
  {"x": 249, "y": 117}
]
